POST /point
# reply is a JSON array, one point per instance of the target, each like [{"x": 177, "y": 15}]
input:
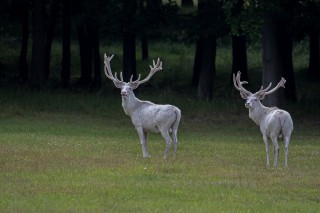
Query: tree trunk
[
  {"x": 89, "y": 54},
  {"x": 94, "y": 37},
  {"x": 129, "y": 56},
  {"x": 314, "y": 56},
  {"x": 23, "y": 64},
  {"x": 197, "y": 62},
  {"x": 285, "y": 46},
  {"x": 207, "y": 72},
  {"x": 85, "y": 55},
  {"x": 144, "y": 47},
  {"x": 239, "y": 47},
  {"x": 239, "y": 57},
  {"x": 38, "y": 45},
  {"x": 144, "y": 6},
  {"x": 65, "y": 69},
  {"x": 49, "y": 38},
  {"x": 129, "y": 39},
  {"x": 271, "y": 67}
]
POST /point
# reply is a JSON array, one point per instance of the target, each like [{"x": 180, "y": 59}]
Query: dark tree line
[{"x": 277, "y": 23}]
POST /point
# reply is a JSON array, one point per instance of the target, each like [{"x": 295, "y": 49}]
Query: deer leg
[
  {"x": 143, "y": 140},
  {"x": 286, "y": 148},
  {"x": 275, "y": 150},
  {"x": 175, "y": 142},
  {"x": 266, "y": 142},
  {"x": 166, "y": 136}
]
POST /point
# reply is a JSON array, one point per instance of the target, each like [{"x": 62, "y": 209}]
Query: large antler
[
  {"x": 118, "y": 83},
  {"x": 153, "y": 69},
  {"x": 108, "y": 71},
  {"x": 266, "y": 92},
  {"x": 238, "y": 85}
]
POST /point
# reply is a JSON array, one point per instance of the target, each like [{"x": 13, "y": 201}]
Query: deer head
[
  {"x": 253, "y": 99},
  {"x": 127, "y": 87}
]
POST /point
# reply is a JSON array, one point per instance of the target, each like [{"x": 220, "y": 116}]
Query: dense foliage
[{"x": 139, "y": 21}]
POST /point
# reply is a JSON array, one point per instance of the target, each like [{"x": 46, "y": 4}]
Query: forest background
[{"x": 33, "y": 26}]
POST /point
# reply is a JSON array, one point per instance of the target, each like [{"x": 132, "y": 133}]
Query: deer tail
[{"x": 177, "y": 121}]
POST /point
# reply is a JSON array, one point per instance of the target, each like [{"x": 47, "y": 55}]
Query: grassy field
[{"x": 76, "y": 151}]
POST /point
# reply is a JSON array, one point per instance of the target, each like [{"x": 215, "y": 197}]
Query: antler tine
[
  {"x": 116, "y": 77},
  {"x": 106, "y": 63},
  {"x": 280, "y": 84},
  {"x": 156, "y": 64},
  {"x": 238, "y": 84},
  {"x": 153, "y": 69},
  {"x": 235, "y": 82},
  {"x": 264, "y": 90},
  {"x": 121, "y": 76},
  {"x": 137, "y": 80},
  {"x": 107, "y": 69}
]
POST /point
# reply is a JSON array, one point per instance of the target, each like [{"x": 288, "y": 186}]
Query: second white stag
[
  {"x": 147, "y": 117},
  {"x": 274, "y": 123}
]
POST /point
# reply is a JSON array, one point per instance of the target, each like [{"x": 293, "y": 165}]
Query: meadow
[{"x": 76, "y": 151}]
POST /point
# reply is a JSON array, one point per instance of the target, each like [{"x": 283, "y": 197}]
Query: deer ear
[
  {"x": 243, "y": 95},
  {"x": 118, "y": 84},
  {"x": 134, "y": 85},
  {"x": 261, "y": 95}
]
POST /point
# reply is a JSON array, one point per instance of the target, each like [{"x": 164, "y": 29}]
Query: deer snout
[
  {"x": 123, "y": 93},
  {"x": 247, "y": 104}
]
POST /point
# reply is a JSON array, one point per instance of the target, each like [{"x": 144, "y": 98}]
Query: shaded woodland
[{"x": 276, "y": 24}]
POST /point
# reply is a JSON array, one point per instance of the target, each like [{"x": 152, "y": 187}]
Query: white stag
[
  {"x": 274, "y": 123},
  {"x": 147, "y": 117}
]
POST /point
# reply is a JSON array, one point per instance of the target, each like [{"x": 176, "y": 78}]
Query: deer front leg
[
  {"x": 266, "y": 142},
  {"x": 143, "y": 141}
]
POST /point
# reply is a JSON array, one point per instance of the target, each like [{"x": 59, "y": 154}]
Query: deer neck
[
  {"x": 258, "y": 113},
  {"x": 129, "y": 103}
]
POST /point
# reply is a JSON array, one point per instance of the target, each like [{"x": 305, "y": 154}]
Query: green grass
[{"x": 78, "y": 152}]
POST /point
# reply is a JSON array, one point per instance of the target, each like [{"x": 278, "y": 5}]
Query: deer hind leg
[
  {"x": 266, "y": 142},
  {"x": 144, "y": 143},
  {"x": 175, "y": 141},
  {"x": 286, "y": 149},
  {"x": 166, "y": 137},
  {"x": 275, "y": 150}
]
